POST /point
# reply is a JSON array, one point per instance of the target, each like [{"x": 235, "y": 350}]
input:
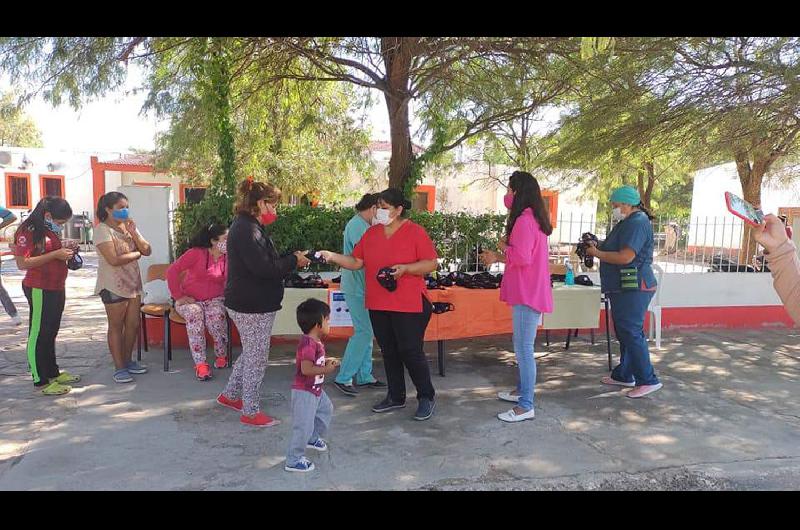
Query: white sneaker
[
  {"x": 513, "y": 417},
  {"x": 508, "y": 396},
  {"x": 16, "y": 320}
]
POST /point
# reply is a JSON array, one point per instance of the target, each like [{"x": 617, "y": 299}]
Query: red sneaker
[
  {"x": 203, "y": 371},
  {"x": 259, "y": 420},
  {"x": 231, "y": 404},
  {"x": 221, "y": 362}
]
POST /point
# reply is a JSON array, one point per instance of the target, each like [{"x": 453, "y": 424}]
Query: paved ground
[{"x": 727, "y": 418}]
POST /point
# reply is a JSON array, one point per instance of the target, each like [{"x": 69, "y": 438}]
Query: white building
[{"x": 714, "y": 226}]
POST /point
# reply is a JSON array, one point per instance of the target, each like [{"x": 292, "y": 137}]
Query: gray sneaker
[
  {"x": 135, "y": 367},
  {"x": 123, "y": 376},
  {"x": 425, "y": 409}
]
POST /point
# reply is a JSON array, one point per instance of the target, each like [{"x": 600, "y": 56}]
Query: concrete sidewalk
[{"x": 727, "y": 418}]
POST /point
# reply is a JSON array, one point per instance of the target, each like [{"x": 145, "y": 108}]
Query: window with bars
[
  {"x": 193, "y": 195},
  {"x": 53, "y": 186},
  {"x": 18, "y": 191}
]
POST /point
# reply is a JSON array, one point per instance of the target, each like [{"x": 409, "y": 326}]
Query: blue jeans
[
  {"x": 628, "y": 309},
  {"x": 357, "y": 360},
  {"x": 526, "y": 320}
]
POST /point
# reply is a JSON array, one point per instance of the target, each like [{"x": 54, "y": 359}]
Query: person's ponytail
[{"x": 642, "y": 207}]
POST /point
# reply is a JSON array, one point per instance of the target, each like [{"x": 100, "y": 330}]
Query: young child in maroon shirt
[{"x": 312, "y": 410}]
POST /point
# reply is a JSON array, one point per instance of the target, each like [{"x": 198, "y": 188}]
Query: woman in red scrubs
[{"x": 399, "y": 315}]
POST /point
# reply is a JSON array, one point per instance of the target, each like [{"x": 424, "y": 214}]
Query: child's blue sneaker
[
  {"x": 320, "y": 445},
  {"x": 304, "y": 465}
]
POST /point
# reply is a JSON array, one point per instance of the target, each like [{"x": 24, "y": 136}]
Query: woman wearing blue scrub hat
[{"x": 626, "y": 276}]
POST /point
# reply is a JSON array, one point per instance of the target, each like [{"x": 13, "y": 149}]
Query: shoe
[
  {"x": 513, "y": 417},
  {"x": 135, "y": 367},
  {"x": 425, "y": 409},
  {"x": 259, "y": 420},
  {"x": 610, "y": 381},
  {"x": 65, "y": 378},
  {"x": 16, "y": 320},
  {"x": 374, "y": 384},
  {"x": 347, "y": 390},
  {"x": 123, "y": 376},
  {"x": 388, "y": 404},
  {"x": 320, "y": 445},
  {"x": 220, "y": 363},
  {"x": 508, "y": 396},
  {"x": 304, "y": 465},
  {"x": 230, "y": 403},
  {"x": 203, "y": 371},
  {"x": 55, "y": 389},
  {"x": 643, "y": 390}
]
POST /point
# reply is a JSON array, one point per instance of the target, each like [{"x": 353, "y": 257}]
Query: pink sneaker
[
  {"x": 642, "y": 391},
  {"x": 609, "y": 381}
]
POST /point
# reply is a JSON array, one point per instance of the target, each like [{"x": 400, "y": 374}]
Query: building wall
[{"x": 74, "y": 166}]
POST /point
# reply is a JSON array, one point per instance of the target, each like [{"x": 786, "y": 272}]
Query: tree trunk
[
  {"x": 751, "y": 177},
  {"x": 646, "y": 189},
  {"x": 398, "y": 53}
]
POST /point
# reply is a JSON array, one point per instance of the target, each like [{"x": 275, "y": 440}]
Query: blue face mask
[
  {"x": 120, "y": 215},
  {"x": 53, "y": 226}
]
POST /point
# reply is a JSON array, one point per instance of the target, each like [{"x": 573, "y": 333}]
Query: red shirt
[
  {"x": 409, "y": 244},
  {"x": 52, "y": 275},
  {"x": 309, "y": 349}
]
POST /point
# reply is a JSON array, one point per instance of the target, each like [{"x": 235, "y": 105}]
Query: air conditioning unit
[{"x": 5, "y": 158}]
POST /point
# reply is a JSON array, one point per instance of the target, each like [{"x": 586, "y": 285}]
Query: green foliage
[
  {"x": 307, "y": 228},
  {"x": 17, "y": 128},
  {"x": 189, "y": 218}
]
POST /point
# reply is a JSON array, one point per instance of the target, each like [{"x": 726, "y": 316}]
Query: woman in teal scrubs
[
  {"x": 626, "y": 276},
  {"x": 357, "y": 360}
]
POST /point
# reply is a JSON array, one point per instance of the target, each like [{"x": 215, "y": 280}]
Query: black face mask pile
[
  {"x": 481, "y": 280},
  {"x": 313, "y": 281}
]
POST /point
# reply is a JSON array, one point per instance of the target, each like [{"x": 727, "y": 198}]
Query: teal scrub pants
[{"x": 357, "y": 361}]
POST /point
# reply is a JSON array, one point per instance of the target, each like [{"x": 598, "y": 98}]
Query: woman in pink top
[
  {"x": 197, "y": 284},
  {"x": 526, "y": 282}
]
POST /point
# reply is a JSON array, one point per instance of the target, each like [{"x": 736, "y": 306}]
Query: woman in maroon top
[
  {"x": 39, "y": 253},
  {"x": 399, "y": 316}
]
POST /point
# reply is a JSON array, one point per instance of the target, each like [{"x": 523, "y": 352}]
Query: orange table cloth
[{"x": 478, "y": 313}]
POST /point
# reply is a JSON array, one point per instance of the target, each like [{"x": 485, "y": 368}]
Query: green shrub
[{"x": 306, "y": 228}]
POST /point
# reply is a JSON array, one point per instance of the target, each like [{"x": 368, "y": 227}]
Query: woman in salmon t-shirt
[
  {"x": 399, "y": 317},
  {"x": 526, "y": 282}
]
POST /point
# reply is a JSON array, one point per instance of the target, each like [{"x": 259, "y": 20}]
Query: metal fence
[{"x": 695, "y": 245}]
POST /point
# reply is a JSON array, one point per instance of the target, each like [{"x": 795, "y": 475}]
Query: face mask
[
  {"x": 268, "y": 218},
  {"x": 382, "y": 217},
  {"x": 53, "y": 226},
  {"x": 617, "y": 214},
  {"x": 508, "y": 200},
  {"x": 120, "y": 215},
  {"x": 222, "y": 246}
]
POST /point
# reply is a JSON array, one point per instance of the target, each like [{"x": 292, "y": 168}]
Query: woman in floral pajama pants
[
  {"x": 253, "y": 294},
  {"x": 197, "y": 284}
]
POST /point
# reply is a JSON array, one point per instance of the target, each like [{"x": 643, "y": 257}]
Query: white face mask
[
  {"x": 617, "y": 214},
  {"x": 382, "y": 217}
]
